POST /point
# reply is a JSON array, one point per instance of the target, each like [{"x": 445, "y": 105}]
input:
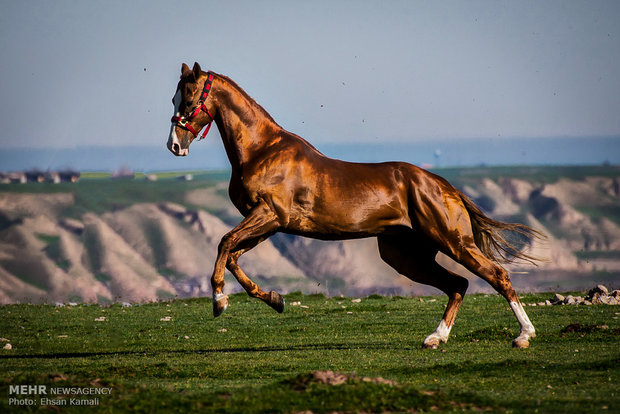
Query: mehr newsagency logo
[{"x": 43, "y": 395}]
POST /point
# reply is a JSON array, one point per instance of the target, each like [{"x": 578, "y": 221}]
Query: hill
[{"x": 105, "y": 240}]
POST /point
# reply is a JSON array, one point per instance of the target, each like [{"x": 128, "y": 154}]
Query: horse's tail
[{"x": 490, "y": 239}]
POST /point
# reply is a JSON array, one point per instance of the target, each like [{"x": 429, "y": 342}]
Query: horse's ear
[
  {"x": 197, "y": 70},
  {"x": 184, "y": 69}
]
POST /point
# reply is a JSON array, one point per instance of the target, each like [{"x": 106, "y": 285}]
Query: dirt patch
[
  {"x": 55, "y": 377},
  {"x": 584, "y": 329},
  {"x": 328, "y": 377}
]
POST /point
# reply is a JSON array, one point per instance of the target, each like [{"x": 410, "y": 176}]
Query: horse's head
[{"x": 190, "y": 109}]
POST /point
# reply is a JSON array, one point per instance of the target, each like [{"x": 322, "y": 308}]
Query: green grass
[{"x": 252, "y": 359}]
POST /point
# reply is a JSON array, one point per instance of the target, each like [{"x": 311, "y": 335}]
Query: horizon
[{"x": 209, "y": 155}]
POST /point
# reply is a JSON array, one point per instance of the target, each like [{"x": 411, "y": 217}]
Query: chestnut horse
[{"x": 281, "y": 183}]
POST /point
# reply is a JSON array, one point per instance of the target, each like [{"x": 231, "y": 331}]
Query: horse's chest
[
  {"x": 244, "y": 193},
  {"x": 239, "y": 195}
]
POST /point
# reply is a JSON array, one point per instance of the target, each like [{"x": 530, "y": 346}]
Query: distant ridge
[{"x": 210, "y": 155}]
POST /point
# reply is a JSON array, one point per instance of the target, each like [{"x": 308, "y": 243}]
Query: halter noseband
[{"x": 183, "y": 122}]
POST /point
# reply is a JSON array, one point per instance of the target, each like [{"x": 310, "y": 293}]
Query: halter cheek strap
[{"x": 183, "y": 122}]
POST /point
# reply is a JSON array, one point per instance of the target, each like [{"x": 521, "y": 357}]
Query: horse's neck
[{"x": 245, "y": 127}]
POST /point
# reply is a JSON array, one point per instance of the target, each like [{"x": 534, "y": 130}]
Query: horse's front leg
[
  {"x": 273, "y": 299},
  {"x": 260, "y": 222}
]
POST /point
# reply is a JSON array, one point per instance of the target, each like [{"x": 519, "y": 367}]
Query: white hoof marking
[
  {"x": 527, "y": 329},
  {"x": 220, "y": 297},
  {"x": 439, "y": 336}
]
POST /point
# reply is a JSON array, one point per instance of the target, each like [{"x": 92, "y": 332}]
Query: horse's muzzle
[
  {"x": 176, "y": 149},
  {"x": 175, "y": 146}
]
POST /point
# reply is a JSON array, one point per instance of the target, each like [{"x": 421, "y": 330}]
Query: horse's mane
[
  {"x": 239, "y": 89},
  {"x": 262, "y": 110}
]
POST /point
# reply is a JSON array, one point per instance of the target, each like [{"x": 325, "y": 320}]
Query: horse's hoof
[
  {"x": 521, "y": 343},
  {"x": 276, "y": 301},
  {"x": 431, "y": 343},
  {"x": 220, "y": 303}
]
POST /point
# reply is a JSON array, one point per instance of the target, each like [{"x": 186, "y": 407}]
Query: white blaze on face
[
  {"x": 172, "y": 138},
  {"x": 176, "y": 101}
]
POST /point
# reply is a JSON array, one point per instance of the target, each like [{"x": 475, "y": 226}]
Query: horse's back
[{"x": 332, "y": 198}]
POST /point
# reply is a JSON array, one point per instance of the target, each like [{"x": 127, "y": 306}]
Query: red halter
[{"x": 183, "y": 122}]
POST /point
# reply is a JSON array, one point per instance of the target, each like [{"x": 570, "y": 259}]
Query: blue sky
[{"x": 85, "y": 72}]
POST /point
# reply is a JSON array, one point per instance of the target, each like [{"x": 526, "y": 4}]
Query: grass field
[{"x": 176, "y": 356}]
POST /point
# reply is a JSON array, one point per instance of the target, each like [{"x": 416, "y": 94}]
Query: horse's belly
[{"x": 348, "y": 221}]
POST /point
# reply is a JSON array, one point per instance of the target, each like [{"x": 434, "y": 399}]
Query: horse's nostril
[{"x": 175, "y": 148}]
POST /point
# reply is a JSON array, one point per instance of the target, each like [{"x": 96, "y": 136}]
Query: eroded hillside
[{"x": 102, "y": 240}]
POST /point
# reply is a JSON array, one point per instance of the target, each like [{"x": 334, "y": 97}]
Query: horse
[{"x": 281, "y": 183}]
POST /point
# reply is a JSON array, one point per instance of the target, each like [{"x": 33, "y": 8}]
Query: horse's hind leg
[
  {"x": 474, "y": 260},
  {"x": 414, "y": 258},
  {"x": 448, "y": 224},
  {"x": 465, "y": 252}
]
